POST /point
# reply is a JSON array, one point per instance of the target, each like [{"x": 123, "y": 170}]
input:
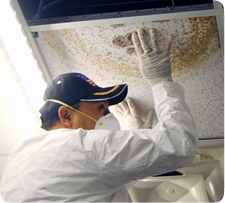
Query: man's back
[
  {"x": 93, "y": 165},
  {"x": 55, "y": 166}
]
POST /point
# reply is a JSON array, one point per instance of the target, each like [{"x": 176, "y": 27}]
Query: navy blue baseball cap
[{"x": 72, "y": 88}]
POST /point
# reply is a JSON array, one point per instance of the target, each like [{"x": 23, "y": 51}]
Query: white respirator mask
[{"x": 109, "y": 122}]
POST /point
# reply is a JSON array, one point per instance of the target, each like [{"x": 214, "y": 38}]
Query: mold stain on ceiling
[{"x": 106, "y": 55}]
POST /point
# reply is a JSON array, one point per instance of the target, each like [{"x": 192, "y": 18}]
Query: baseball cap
[{"x": 71, "y": 88}]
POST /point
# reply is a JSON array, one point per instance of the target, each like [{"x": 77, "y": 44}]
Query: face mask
[
  {"x": 107, "y": 122},
  {"x": 110, "y": 123}
]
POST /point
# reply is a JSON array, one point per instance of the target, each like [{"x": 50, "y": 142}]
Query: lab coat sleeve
[{"x": 126, "y": 156}]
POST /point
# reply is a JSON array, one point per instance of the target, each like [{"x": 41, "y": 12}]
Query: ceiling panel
[{"x": 106, "y": 55}]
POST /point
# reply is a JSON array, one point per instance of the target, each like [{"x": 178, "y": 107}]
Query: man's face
[{"x": 94, "y": 109}]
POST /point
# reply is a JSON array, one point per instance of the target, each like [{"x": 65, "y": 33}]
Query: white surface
[
  {"x": 188, "y": 188},
  {"x": 21, "y": 85},
  {"x": 3, "y": 160},
  {"x": 213, "y": 177},
  {"x": 17, "y": 115},
  {"x": 208, "y": 183}
]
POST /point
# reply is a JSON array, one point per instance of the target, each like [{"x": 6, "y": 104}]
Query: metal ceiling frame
[
  {"x": 217, "y": 11},
  {"x": 31, "y": 42},
  {"x": 122, "y": 20}
]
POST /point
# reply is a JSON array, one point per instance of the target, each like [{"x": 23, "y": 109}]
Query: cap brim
[{"x": 113, "y": 95}]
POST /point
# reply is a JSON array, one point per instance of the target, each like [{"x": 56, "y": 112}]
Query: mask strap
[{"x": 67, "y": 105}]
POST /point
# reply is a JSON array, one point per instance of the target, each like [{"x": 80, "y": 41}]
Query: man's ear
[{"x": 65, "y": 116}]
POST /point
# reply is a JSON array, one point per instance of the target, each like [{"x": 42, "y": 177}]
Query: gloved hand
[
  {"x": 129, "y": 117},
  {"x": 154, "y": 64}
]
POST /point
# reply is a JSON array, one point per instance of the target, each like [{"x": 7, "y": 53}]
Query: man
[{"x": 73, "y": 161}]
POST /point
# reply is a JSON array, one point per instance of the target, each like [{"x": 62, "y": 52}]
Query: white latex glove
[
  {"x": 154, "y": 64},
  {"x": 129, "y": 117}
]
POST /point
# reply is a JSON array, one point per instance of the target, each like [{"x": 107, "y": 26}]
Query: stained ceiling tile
[{"x": 106, "y": 55}]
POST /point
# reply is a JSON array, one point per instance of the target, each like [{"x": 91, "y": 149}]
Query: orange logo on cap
[{"x": 107, "y": 92}]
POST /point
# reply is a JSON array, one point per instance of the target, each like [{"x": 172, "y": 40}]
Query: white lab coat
[{"x": 95, "y": 165}]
